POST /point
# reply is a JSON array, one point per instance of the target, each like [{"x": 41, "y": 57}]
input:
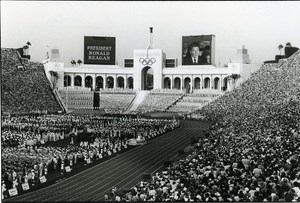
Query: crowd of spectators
[
  {"x": 112, "y": 101},
  {"x": 27, "y": 89},
  {"x": 251, "y": 153},
  {"x": 193, "y": 101},
  {"x": 27, "y": 152},
  {"x": 115, "y": 102},
  {"x": 159, "y": 101}
]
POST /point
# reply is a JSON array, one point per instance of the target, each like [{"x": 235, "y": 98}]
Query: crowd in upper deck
[{"x": 252, "y": 152}]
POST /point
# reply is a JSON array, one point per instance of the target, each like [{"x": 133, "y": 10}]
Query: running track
[{"x": 123, "y": 171}]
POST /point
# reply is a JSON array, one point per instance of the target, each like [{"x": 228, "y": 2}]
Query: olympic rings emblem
[{"x": 147, "y": 61}]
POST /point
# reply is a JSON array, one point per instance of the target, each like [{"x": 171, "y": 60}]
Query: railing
[
  {"x": 168, "y": 91},
  {"x": 76, "y": 88},
  {"x": 114, "y": 90}
]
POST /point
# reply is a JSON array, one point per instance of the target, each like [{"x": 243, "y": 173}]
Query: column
[
  {"x": 94, "y": 81},
  {"x": 125, "y": 82},
  {"x": 104, "y": 81},
  {"x": 202, "y": 82},
  {"x": 228, "y": 85},
  {"x": 171, "y": 78},
  {"x": 115, "y": 81},
  {"x": 181, "y": 82},
  {"x": 192, "y": 83},
  {"x": 83, "y": 80},
  {"x": 72, "y": 80},
  {"x": 211, "y": 79},
  {"x": 221, "y": 82}
]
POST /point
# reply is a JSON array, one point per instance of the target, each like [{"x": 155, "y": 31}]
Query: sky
[{"x": 260, "y": 26}]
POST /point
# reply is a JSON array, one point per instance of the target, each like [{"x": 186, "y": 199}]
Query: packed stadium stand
[
  {"x": 193, "y": 101},
  {"x": 116, "y": 101},
  {"x": 159, "y": 100},
  {"x": 76, "y": 98},
  {"x": 25, "y": 87},
  {"x": 252, "y": 152},
  {"x": 112, "y": 101}
]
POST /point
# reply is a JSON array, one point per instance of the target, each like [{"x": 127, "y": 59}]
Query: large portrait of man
[{"x": 196, "y": 52}]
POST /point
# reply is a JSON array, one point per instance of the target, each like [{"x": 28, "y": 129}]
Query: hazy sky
[{"x": 260, "y": 26}]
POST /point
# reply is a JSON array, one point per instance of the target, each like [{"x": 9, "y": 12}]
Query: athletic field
[{"x": 123, "y": 171}]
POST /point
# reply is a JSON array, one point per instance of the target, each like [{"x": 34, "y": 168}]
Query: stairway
[{"x": 140, "y": 97}]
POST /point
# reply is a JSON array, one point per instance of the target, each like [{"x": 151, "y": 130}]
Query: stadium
[{"x": 146, "y": 126}]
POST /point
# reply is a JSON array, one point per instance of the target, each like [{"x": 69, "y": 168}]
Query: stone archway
[
  {"x": 207, "y": 83},
  {"x": 217, "y": 83},
  {"x": 225, "y": 84},
  {"x": 120, "y": 82},
  {"x": 177, "y": 83},
  {"x": 78, "y": 81},
  {"x": 147, "y": 81},
  {"x": 187, "y": 84},
  {"x": 110, "y": 82},
  {"x": 99, "y": 83},
  {"x": 88, "y": 81},
  {"x": 67, "y": 81},
  {"x": 130, "y": 82},
  {"x": 167, "y": 83},
  {"x": 197, "y": 83}
]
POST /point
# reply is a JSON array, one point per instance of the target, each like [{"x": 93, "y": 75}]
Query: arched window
[
  {"x": 225, "y": 81},
  {"x": 88, "y": 81},
  {"x": 78, "y": 81},
  {"x": 67, "y": 80},
  {"x": 130, "y": 83},
  {"x": 99, "y": 83},
  {"x": 186, "y": 84},
  {"x": 167, "y": 83},
  {"x": 109, "y": 82},
  {"x": 217, "y": 83},
  {"x": 206, "y": 83},
  {"x": 120, "y": 82},
  {"x": 197, "y": 83},
  {"x": 177, "y": 83}
]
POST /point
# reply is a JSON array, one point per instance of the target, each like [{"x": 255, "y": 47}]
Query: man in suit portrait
[{"x": 193, "y": 57}]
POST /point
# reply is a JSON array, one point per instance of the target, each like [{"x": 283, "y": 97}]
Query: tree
[
  {"x": 54, "y": 78},
  {"x": 79, "y": 62},
  {"x": 234, "y": 77},
  {"x": 280, "y": 47},
  {"x": 73, "y": 62},
  {"x": 288, "y": 44}
]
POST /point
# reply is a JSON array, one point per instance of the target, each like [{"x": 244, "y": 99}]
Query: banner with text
[{"x": 99, "y": 50}]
